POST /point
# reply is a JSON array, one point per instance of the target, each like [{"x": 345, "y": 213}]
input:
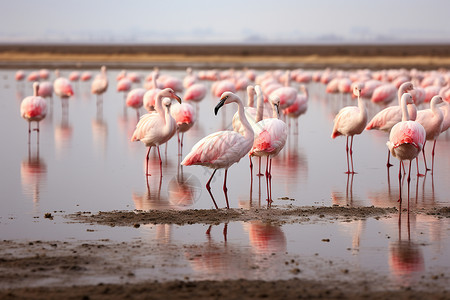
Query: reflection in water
[
  {"x": 338, "y": 198},
  {"x": 406, "y": 259},
  {"x": 215, "y": 259},
  {"x": 63, "y": 131},
  {"x": 266, "y": 238},
  {"x": 184, "y": 189},
  {"x": 100, "y": 129},
  {"x": 33, "y": 172}
]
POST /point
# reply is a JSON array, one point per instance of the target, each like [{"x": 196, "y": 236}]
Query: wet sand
[{"x": 30, "y": 269}]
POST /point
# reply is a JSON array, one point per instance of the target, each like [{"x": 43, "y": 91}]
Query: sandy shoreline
[{"x": 180, "y": 57}]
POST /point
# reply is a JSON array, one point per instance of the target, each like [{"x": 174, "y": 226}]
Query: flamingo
[
  {"x": 86, "y": 76},
  {"x": 299, "y": 106},
  {"x": 388, "y": 117},
  {"x": 74, "y": 76},
  {"x": 222, "y": 149},
  {"x": 406, "y": 140},
  {"x": 124, "y": 85},
  {"x": 349, "y": 121},
  {"x": 150, "y": 96},
  {"x": 195, "y": 92},
  {"x": 184, "y": 115},
  {"x": 154, "y": 129},
  {"x": 100, "y": 83},
  {"x": 135, "y": 99},
  {"x": 33, "y": 109},
  {"x": 44, "y": 74},
  {"x": 445, "y": 109},
  {"x": 270, "y": 138},
  {"x": 432, "y": 120},
  {"x": 45, "y": 89},
  {"x": 20, "y": 75},
  {"x": 384, "y": 93},
  {"x": 62, "y": 87},
  {"x": 287, "y": 94}
]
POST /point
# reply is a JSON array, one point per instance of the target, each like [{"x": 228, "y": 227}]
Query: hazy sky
[{"x": 225, "y": 21}]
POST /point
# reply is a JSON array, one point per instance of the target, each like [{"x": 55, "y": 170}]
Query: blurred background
[{"x": 232, "y": 21}]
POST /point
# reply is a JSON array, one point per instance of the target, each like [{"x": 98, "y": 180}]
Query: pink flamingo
[
  {"x": 135, "y": 99},
  {"x": 45, "y": 89},
  {"x": 388, "y": 117},
  {"x": 100, "y": 83},
  {"x": 270, "y": 138},
  {"x": 184, "y": 115},
  {"x": 299, "y": 106},
  {"x": 349, "y": 121},
  {"x": 406, "y": 140},
  {"x": 195, "y": 92},
  {"x": 445, "y": 109},
  {"x": 20, "y": 75},
  {"x": 74, "y": 76},
  {"x": 384, "y": 94},
  {"x": 124, "y": 85},
  {"x": 222, "y": 149},
  {"x": 152, "y": 92},
  {"x": 154, "y": 129},
  {"x": 33, "y": 76},
  {"x": 62, "y": 88},
  {"x": 190, "y": 78},
  {"x": 431, "y": 119},
  {"x": 86, "y": 76},
  {"x": 33, "y": 109},
  {"x": 287, "y": 93},
  {"x": 44, "y": 74}
]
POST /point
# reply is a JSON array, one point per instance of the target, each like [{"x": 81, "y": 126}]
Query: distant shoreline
[{"x": 180, "y": 56}]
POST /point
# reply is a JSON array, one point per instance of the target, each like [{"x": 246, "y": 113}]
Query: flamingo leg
[
  {"x": 225, "y": 190},
  {"x": 181, "y": 144},
  {"x": 346, "y": 150},
  {"x": 160, "y": 161},
  {"x": 417, "y": 163},
  {"x": 146, "y": 165},
  {"x": 432, "y": 157},
  {"x": 351, "y": 154},
  {"x": 388, "y": 164},
  {"x": 424, "y": 159},
  {"x": 270, "y": 179},
  {"x": 29, "y": 133},
  {"x": 208, "y": 187},
  {"x": 259, "y": 173},
  {"x": 409, "y": 181},
  {"x": 400, "y": 182}
]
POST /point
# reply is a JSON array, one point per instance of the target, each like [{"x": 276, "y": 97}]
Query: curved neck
[
  {"x": 400, "y": 93},
  {"x": 248, "y": 130},
  {"x": 405, "y": 114},
  {"x": 158, "y": 105}
]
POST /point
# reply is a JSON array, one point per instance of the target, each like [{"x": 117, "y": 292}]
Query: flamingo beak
[
  {"x": 177, "y": 98},
  {"x": 219, "y": 105},
  {"x": 278, "y": 109}
]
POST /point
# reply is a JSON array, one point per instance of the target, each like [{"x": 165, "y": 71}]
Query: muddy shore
[{"x": 74, "y": 270}]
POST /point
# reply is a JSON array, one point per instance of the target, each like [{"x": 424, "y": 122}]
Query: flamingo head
[
  {"x": 275, "y": 102},
  {"x": 406, "y": 87},
  {"x": 226, "y": 98},
  {"x": 166, "y": 102},
  {"x": 357, "y": 89},
  {"x": 168, "y": 92},
  {"x": 407, "y": 98},
  {"x": 436, "y": 99}
]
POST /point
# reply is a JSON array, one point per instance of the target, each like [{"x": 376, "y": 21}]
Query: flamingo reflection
[
  {"x": 183, "y": 189},
  {"x": 33, "y": 171},
  {"x": 406, "y": 259}
]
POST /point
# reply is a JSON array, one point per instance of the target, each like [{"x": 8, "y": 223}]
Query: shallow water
[{"x": 85, "y": 162}]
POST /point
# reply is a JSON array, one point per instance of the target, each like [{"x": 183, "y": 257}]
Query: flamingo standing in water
[
  {"x": 135, "y": 99},
  {"x": 406, "y": 140},
  {"x": 100, "y": 83},
  {"x": 195, "y": 92},
  {"x": 184, "y": 115},
  {"x": 154, "y": 129},
  {"x": 270, "y": 138},
  {"x": 299, "y": 106},
  {"x": 222, "y": 149},
  {"x": 432, "y": 120},
  {"x": 388, "y": 117},
  {"x": 349, "y": 121},
  {"x": 33, "y": 109}
]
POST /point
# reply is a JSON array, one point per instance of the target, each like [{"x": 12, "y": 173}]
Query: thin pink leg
[
  {"x": 160, "y": 161},
  {"x": 417, "y": 163},
  {"x": 146, "y": 165},
  {"x": 259, "y": 173},
  {"x": 225, "y": 190},
  {"x": 208, "y": 187},
  {"x": 346, "y": 150},
  {"x": 424, "y": 159},
  {"x": 409, "y": 181},
  {"x": 351, "y": 154},
  {"x": 432, "y": 157},
  {"x": 388, "y": 164},
  {"x": 400, "y": 182}
]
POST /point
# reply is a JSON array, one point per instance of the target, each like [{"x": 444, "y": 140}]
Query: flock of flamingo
[{"x": 262, "y": 131}]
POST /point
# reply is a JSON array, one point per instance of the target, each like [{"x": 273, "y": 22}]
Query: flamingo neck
[
  {"x": 158, "y": 105},
  {"x": 250, "y": 98},
  {"x": 362, "y": 107},
  {"x": 405, "y": 114},
  {"x": 259, "y": 107},
  {"x": 248, "y": 130}
]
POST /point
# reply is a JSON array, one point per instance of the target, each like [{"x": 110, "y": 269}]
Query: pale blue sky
[{"x": 225, "y": 21}]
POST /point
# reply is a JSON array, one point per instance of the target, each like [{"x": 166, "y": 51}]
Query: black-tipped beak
[
  {"x": 177, "y": 98},
  {"x": 219, "y": 105},
  {"x": 278, "y": 110}
]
